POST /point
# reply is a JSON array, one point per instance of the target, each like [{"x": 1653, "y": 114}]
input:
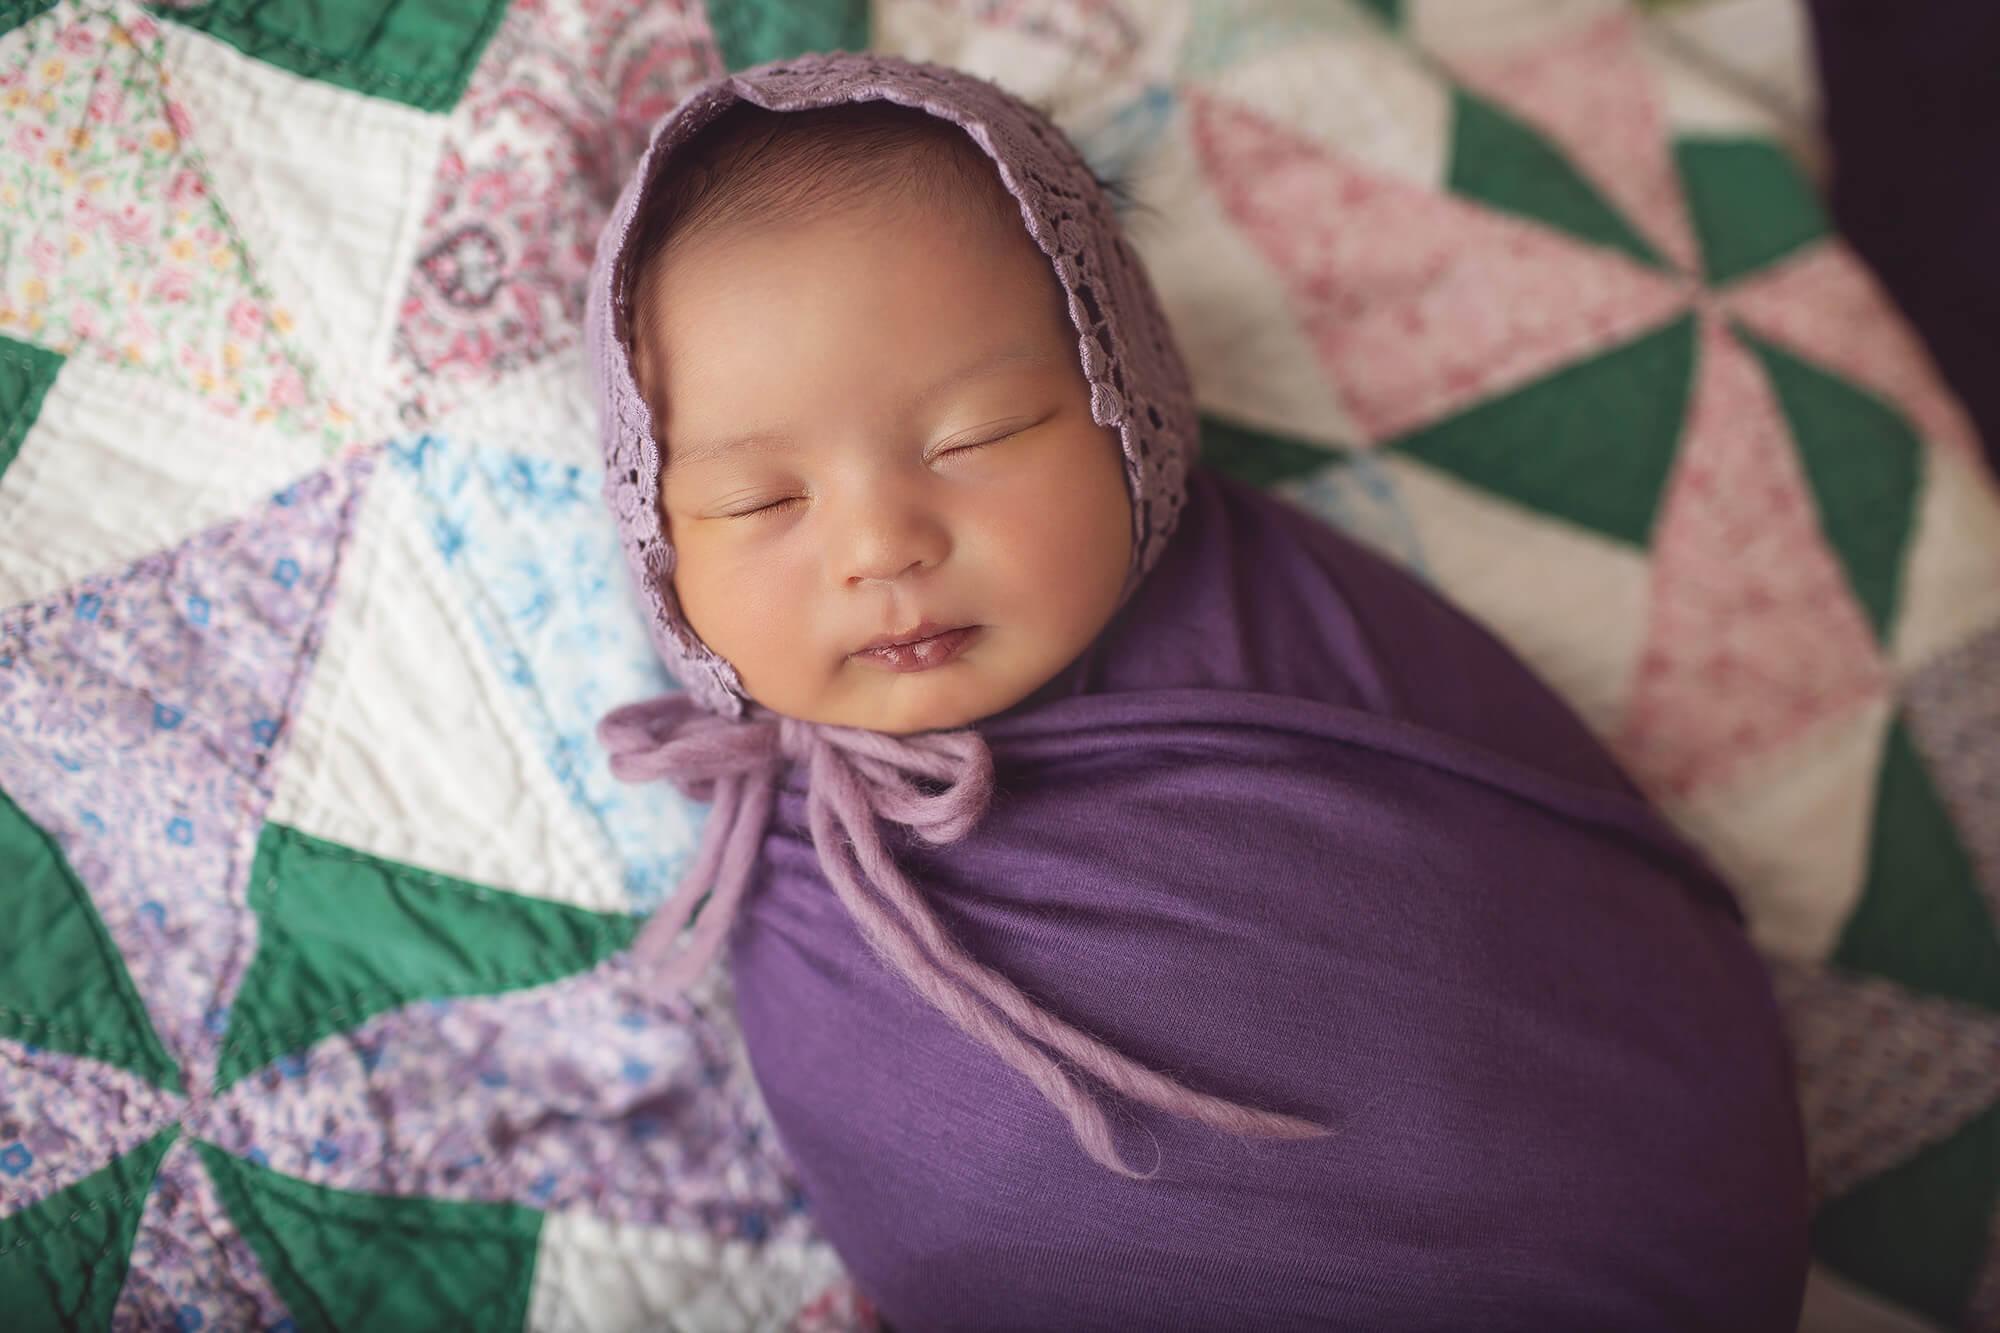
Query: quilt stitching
[
  {"x": 120, "y": 1201},
  {"x": 427, "y": 92},
  {"x": 191, "y": 191},
  {"x": 41, "y": 489},
  {"x": 112, "y": 961},
  {"x": 583, "y": 859},
  {"x": 205, "y": 60},
  {"x": 278, "y": 1042},
  {"x": 1812, "y": 301},
  {"x": 33, "y": 370}
]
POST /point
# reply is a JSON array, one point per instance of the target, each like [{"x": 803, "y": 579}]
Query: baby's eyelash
[
  {"x": 768, "y": 506},
  {"x": 1005, "y": 430},
  {"x": 994, "y": 437},
  {"x": 970, "y": 445}
]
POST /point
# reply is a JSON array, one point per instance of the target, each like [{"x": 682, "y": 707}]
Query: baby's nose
[{"x": 891, "y": 538}]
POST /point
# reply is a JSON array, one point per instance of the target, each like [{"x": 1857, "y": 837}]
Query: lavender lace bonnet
[{"x": 1137, "y": 380}]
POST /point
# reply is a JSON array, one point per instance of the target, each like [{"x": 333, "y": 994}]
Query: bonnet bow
[{"x": 937, "y": 785}]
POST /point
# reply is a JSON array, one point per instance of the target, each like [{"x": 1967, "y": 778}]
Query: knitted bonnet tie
[{"x": 715, "y": 745}]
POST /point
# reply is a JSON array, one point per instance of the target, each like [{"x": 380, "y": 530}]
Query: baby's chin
[{"x": 951, "y": 696}]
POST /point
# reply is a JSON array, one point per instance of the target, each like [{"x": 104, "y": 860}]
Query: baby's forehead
[
  {"x": 944, "y": 211},
  {"x": 750, "y": 166},
  {"x": 896, "y": 311},
  {"x": 813, "y": 188},
  {"x": 905, "y": 295}
]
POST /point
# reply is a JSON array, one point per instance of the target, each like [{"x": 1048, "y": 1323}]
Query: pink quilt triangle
[
  {"x": 1590, "y": 92},
  {"x": 1753, "y": 635},
  {"x": 117, "y": 248},
  {"x": 556, "y": 114},
  {"x": 1824, "y": 306},
  {"x": 1420, "y": 304}
]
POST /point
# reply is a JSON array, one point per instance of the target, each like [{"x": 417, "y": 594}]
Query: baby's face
[{"x": 889, "y": 504}]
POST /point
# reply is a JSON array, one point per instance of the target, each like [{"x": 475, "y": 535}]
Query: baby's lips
[
  {"x": 923, "y": 629},
  {"x": 903, "y": 653}
]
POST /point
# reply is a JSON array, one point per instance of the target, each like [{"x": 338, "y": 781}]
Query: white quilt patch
[
  {"x": 1354, "y": 91},
  {"x": 1230, "y": 311},
  {"x": 88, "y": 492},
  {"x": 331, "y": 207},
  {"x": 1508, "y": 566},
  {"x": 406, "y": 746},
  {"x": 595, "y": 1276},
  {"x": 1790, "y": 833},
  {"x": 1951, "y": 574}
]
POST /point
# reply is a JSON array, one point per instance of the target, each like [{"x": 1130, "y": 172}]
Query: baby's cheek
[
  {"x": 1094, "y": 545},
  {"x": 727, "y": 601}
]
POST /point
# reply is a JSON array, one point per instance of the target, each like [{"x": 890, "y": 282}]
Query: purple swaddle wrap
[
  {"x": 1292, "y": 832},
  {"x": 1302, "y": 835}
]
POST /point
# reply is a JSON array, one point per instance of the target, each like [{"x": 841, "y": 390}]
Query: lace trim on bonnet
[{"x": 716, "y": 745}]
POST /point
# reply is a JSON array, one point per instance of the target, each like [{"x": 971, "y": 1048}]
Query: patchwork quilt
[{"x": 314, "y": 889}]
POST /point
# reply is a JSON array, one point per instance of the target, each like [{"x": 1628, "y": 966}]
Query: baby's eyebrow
[
  {"x": 986, "y": 365},
  {"x": 702, "y": 451}
]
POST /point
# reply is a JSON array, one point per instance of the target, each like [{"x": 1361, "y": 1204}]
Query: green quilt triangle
[
  {"x": 1505, "y": 164},
  {"x": 63, "y": 1260},
  {"x": 1389, "y": 11},
  {"x": 1922, "y": 920},
  {"x": 18, "y": 13},
  {"x": 26, "y": 372},
  {"x": 1261, "y": 457},
  {"x": 342, "y": 1260},
  {"x": 417, "y": 52},
  {"x": 344, "y": 936},
  {"x": 1751, "y": 204},
  {"x": 750, "y": 32},
  {"x": 1918, "y": 1233},
  {"x": 1592, "y": 443},
  {"x": 63, "y": 983},
  {"x": 1865, "y": 462}
]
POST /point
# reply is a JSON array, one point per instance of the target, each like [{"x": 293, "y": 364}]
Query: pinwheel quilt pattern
[{"x": 315, "y": 1002}]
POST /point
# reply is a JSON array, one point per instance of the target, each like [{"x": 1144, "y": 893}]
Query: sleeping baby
[{"x": 1147, "y": 909}]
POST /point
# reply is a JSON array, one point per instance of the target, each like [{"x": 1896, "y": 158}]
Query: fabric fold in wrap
[
  {"x": 935, "y": 785},
  {"x": 1299, "y": 834}
]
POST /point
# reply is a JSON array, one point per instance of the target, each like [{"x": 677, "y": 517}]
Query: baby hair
[{"x": 751, "y": 165}]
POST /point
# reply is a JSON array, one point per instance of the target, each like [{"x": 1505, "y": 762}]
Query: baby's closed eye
[
  {"x": 752, "y": 508},
  {"x": 979, "y": 437}
]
